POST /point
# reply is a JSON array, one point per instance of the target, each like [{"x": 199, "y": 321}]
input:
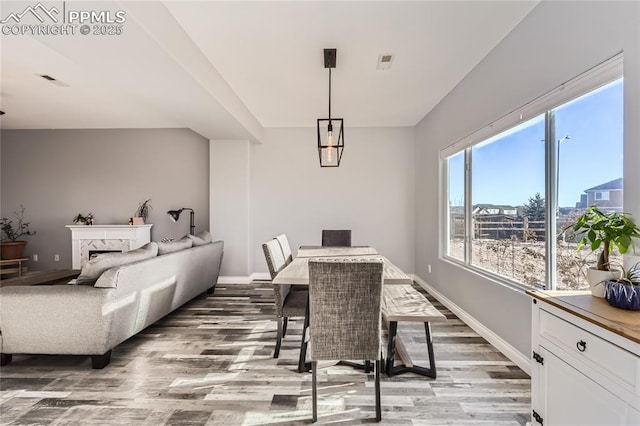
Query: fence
[{"x": 486, "y": 228}]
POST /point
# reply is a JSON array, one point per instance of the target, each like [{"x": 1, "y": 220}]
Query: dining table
[{"x": 297, "y": 273}]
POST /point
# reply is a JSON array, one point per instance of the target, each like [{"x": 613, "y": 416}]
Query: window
[
  {"x": 456, "y": 206},
  {"x": 508, "y": 192}
]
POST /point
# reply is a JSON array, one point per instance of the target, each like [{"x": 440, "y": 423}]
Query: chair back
[
  {"x": 345, "y": 304},
  {"x": 336, "y": 238},
  {"x": 274, "y": 257},
  {"x": 276, "y": 262},
  {"x": 286, "y": 248}
]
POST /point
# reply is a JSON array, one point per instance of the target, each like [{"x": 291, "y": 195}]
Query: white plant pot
[{"x": 596, "y": 280}]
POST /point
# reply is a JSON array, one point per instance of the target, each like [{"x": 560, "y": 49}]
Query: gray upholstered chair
[
  {"x": 288, "y": 303},
  {"x": 286, "y": 248},
  {"x": 345, "y": 296},
  {"x": 336, "y": 237}
]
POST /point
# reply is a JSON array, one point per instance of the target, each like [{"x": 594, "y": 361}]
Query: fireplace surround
[{"x": 86, "y": 238}]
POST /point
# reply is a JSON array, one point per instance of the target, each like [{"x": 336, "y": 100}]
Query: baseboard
[
  {"x": 503, "y": 346},
  {"x": 228, "y": 279}
]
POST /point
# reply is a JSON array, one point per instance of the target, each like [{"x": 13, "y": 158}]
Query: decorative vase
[
  {"x": 12, "y": 249},
  {"x": 622, "y": 295},
  {"x": 597, "y": 279}
]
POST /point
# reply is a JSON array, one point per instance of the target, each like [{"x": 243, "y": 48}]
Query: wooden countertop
[{"x": 595, "y": 310}]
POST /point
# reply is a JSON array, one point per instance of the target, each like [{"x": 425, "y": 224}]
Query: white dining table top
[{"x": 297, "y": 272}]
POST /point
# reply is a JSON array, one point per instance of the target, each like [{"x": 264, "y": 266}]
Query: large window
[{"x": 512, "y": 197}]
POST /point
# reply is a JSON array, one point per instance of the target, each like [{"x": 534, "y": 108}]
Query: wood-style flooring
[{"x": 210, "y": 363}]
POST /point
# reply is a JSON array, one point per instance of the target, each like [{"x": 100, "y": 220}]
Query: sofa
[{"x": 93, "y": 318}]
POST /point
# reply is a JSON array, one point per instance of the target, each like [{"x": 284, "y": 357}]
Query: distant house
[{"x": 607, "y": 196}]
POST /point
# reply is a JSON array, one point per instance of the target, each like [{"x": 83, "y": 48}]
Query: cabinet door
[{"x": 568, "y": 397}]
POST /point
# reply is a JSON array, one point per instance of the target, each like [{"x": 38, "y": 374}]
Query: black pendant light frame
[{"x": 330, "y": 154}]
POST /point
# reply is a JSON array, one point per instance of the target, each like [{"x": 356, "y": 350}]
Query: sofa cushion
[
  {"x": 201, "y": 238},
  {"x": 165, "y": 247},
  {"x": 96, "y": 266}
]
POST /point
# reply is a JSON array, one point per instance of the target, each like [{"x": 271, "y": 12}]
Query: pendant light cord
[{"x": 329, "y": 95}]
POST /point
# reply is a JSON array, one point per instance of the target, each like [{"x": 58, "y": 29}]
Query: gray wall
[
  {"x": 230, "y": 203},
  {"x": 57, "y": 174},
  {"x": 554, "y": 43},
  {"x": 371, "y": 192}
]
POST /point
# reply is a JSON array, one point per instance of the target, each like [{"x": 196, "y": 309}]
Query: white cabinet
[{"x": 582, "y": 372}]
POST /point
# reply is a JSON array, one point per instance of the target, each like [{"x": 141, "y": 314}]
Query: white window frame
[{"x": 599, "y": 76}]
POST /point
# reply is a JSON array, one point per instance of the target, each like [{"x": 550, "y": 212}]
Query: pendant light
[{"x": 330, "y": 130}]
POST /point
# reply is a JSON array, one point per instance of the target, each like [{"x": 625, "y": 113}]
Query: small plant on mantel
[
  {"x": 624, "y": 291},
  {"x": 143, "y": 210},
  {"x": 11, "y": 247}
]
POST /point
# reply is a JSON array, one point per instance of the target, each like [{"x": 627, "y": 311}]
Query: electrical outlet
[
  {"x": 56, "y": 257},
  {"x": 429, "y": 268},
  {"x": 35, "y": 257}
]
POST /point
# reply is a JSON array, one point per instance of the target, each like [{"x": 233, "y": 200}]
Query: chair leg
[
  {"x": 378, "y": 408},
  {"x": 276, "y": 352},
  {"x": 314, "y": 389},
  {"x": 284, "y": 326}
]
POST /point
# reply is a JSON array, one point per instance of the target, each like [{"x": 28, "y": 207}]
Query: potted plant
[
  {"x": 624, "y": 292},
  {"x": 11, "y": 247},
  {"x": 142, "y": 212},
  {"x": 606, "y": 231}
]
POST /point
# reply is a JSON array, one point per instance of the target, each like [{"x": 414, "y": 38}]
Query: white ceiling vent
[{"x": 384, "y": 61}]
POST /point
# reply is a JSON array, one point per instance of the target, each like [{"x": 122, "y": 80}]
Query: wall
[
  {"x": 554, "y": 43},
  {"x": 230, "y": 204},
  {"x": 57, "y": 174},
  {"x": 371, "y": 193}
]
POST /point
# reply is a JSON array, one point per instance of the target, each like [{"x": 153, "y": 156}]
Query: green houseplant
[
  {"x": 604, "y": 231},
  {"x": 11, "y": 247},
  {"x": 624, "y": 291}
]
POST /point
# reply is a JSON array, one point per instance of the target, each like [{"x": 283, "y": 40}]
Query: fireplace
[
  {"x": 102, "y": 238},
  {"x": 94, "y": 253}
]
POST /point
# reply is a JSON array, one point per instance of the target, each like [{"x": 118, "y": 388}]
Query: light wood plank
[
  {"x": 336, "y": 251},
  {"x": 297, "y": 272},
  {"x": 405, "y": 303}
]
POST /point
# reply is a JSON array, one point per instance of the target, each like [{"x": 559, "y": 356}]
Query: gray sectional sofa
[{"x": 93, "y": 319}]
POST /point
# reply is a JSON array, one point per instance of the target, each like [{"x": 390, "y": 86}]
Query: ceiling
[{"x": 228, "y": 70}]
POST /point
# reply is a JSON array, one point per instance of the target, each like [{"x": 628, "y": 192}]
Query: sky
[{"x": 509, "y": 169}]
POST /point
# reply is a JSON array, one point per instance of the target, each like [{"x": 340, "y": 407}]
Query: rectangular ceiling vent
[
  {"x": 384, "y": 61},
  {"x": 54, "y": 80}
]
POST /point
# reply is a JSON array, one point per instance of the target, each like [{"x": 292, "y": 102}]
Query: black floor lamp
[{"x": 175, "y": 214}]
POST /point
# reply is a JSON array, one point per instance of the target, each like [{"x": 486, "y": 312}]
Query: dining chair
[
  {"x": 286, "y": 248},
  {"x": 336, "y": 237},
  {"x": 345, "y": 296},
  {"x": 288, "y": 303}
]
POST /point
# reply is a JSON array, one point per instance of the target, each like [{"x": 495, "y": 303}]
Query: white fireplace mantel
[{"x": 105, "y": 237}]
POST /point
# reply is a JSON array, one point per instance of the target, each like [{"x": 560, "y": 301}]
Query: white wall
[
  {"x": 554, "y": 43},
  {"x": 230, "y": 184},
  {"x": 57, "y": 174},
  {"x": 371, "y": 193}
]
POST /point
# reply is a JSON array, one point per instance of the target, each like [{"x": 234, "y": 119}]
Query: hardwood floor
[{"x": 210, "y": 363}]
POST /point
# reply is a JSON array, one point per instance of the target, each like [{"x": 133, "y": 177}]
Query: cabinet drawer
[{"x": 617, "y": 362}]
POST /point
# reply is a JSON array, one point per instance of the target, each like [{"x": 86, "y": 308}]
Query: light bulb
[{"x": 330, "y": 146}]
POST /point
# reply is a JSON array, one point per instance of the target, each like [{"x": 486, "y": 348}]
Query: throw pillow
[
  {"x": 92, "y": 270},
  {"x": 201, "y": 239},
  {"x": 165, "y": 247}
]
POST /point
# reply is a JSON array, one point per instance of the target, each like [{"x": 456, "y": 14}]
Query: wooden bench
[
  {"x": 13, "y": 266},
  {"x": 405, "y": 303}
]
